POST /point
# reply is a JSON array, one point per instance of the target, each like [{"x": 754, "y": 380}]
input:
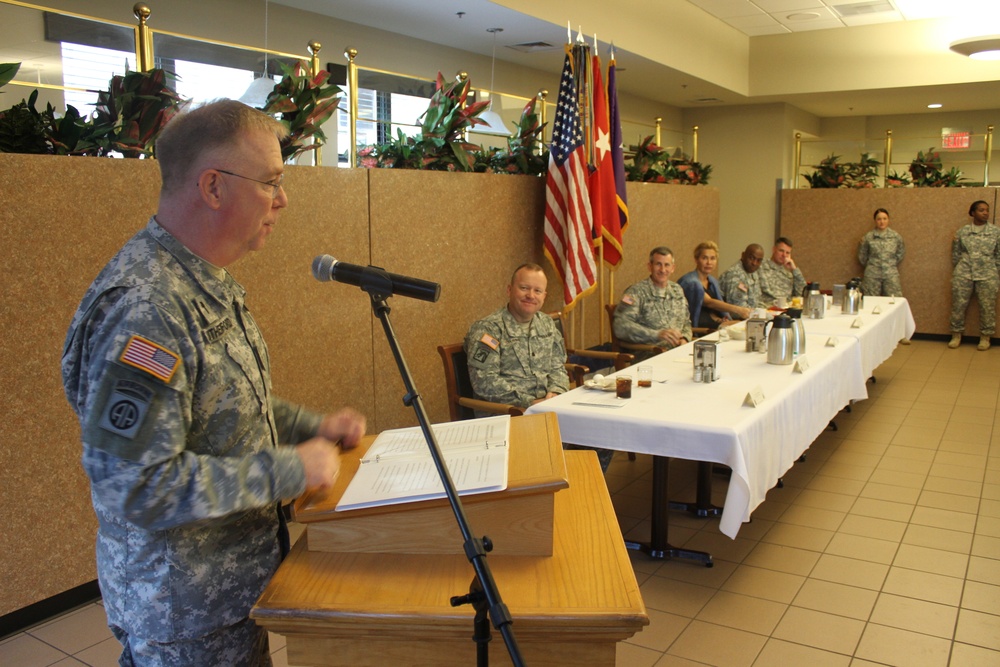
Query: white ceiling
[{"x": 462, "y": 24}]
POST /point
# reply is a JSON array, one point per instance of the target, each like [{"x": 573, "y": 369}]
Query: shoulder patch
[
  {"x": 490, "y": 342},
  {"x": 628, "y": 299},
  {"x": 149, "y": 357},
  {"x": 126, "y": 408}
]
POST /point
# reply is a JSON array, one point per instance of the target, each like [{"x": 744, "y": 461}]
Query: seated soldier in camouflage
[
  {"x": 517, "y": 355},
  {"x": 655, "y": 311}
]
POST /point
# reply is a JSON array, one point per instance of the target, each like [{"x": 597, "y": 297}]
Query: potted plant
[
  {"x": 926, "y": 170},
  {"x": 303, "y": 103},
  {"x": 132, "y": 112},
  {"x": 522, "y": 155}
]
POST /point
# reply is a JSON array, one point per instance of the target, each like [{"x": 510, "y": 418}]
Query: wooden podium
[
  {"x": 518, "y": 519},
  {"x": 376, "y": 609}
]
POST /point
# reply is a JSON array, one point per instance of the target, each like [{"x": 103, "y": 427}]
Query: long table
[
  {"x": 679, "y": 418},
  {"x": 878, "y": 333}
]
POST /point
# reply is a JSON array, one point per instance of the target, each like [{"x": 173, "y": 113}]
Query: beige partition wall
[
  {"x": 826, "y": 226},
  {"x": 319, "y": 335},
  {"x": 58, "y": 226},
  {"x": 62, "y": 218},
  {"x": 465, "y": 231}
]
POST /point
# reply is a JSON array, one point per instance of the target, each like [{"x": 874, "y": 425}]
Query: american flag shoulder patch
[
  {"x": 628, "y": 299},
  {"x": 490, "y": 341},
  {"x": 147, "y": 356}
]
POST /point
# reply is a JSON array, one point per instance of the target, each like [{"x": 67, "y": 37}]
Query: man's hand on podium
[
  {"x": 345, "y": 427},
  {"x": 321, "y": 461}
]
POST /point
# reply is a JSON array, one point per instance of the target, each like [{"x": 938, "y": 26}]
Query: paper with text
[{"x": 398, "y": 467}]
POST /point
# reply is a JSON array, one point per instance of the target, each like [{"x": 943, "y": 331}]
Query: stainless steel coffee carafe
[
  {"x": 852, "y": 301},
  {"x": 799, "y": 345},
  {"x": 814, "y": 302},
  {"x": 781, "y": 341}
]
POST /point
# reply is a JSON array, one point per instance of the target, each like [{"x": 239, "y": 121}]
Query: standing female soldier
[
  {"x": 975, "y": 258},
  {"x": 880, "y": 252}
]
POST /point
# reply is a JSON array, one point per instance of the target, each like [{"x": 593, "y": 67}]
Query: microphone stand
[{"x": 483, "y": 593}]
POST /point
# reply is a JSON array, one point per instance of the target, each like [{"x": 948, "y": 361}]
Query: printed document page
[{"x": 398, "y": 467}]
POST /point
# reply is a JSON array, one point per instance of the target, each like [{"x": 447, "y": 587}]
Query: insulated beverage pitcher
[{"x": 780, "y": 341}]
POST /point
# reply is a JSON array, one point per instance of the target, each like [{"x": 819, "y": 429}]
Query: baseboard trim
[{"x": 42, "y": 610}]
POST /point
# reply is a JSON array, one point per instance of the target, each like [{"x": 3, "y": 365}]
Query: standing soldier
[
  {"x": 880, "y": 252},
  {"x": 975, "y": 258}
]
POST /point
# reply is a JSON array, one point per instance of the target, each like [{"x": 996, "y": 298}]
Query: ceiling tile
[
  {"x": 759, "y": 21},
  {"x": 728, "y": 8},
  {"x": 805, "y": 26},
  {"x": 869, "y": 19},
  {"x": 774, "y": 6}
]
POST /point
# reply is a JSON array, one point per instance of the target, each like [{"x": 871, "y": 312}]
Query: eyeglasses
[{"x": 274, "y": 185}]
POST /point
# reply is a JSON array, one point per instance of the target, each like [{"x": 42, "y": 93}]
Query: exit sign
[{"x": 955, "y": 138}]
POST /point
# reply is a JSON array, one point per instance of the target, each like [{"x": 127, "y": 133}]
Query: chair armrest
[
  {"x": 620, "y": 360},
  {"x": 642, "y": 347},
  {"x": 576, "y": 373},
  {"x": 487, "y": 406}
]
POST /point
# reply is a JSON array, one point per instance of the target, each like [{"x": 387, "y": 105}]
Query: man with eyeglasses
[
  {"x": 655, "y": 311},
  {"x": 188, "y": 452},
  {"x": 516, "y": 355}
]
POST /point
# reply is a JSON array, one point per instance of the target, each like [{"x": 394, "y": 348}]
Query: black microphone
[{"x": 373, "y": 279}]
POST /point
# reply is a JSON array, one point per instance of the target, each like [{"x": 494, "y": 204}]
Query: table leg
[
  {"x": 658, "y": 547},
  {"x": 702, "y": 505}
]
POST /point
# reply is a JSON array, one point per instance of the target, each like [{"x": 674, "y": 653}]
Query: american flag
[
  {"x": 568, "y": 219},
  {"x": 150, "y": 357}
]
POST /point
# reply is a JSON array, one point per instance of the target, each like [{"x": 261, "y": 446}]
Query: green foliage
[
  {"x": 127, "y": 119},
  {"x": 440, "y": 144},
  {"x": 7, "y": 72},
  {"x": 132, "y": 112},
  {"x": 926, "y": 171},
  {"x": 522, "y": 154},
  {"x": 897, "y": 180},
  {"x": 22, "y": 129},
  {"x": 829, "y": 174},
  {"x": 651, "y": 164},
  {"x": 303, "y": 102}
]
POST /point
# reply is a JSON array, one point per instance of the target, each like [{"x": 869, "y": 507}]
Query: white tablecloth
[
  {"x": 679, "y": 418},
  {"x": 878, "y": 334}
]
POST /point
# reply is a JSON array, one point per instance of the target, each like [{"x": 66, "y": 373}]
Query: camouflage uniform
[
  {"x": 646, "y": 309},
  {"x": 880, "y": 252},
  {"x": 510, "y": 365},
  {"x": 975, "y": 258},
  {"x": 171, "y": 381},
  {"x": 741, "y": 288},
  {"x": 777, "y": 281}
]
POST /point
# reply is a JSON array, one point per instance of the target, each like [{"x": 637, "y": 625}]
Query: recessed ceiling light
[
  {"x": 935, "y": 105},
  {"x": 979, "y": 48},
  {"x": 802, "y": 16}
]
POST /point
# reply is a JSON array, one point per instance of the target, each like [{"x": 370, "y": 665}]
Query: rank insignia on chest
[{"x": 150, "y": 358}]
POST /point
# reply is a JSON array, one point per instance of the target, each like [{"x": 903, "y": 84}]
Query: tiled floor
[{"x": 883, "y": 547}]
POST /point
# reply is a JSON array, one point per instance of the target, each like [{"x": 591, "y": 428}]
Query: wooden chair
[
  {"x": 461, "y": 400},
  {"x": 618, "y": 359},
  {"x": 646, "y": 349},
  {"x": 618, "y": 345}
]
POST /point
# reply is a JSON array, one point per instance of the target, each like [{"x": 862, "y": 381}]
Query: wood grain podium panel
[
  {"x": 518, "y": 519},
  {"x": 378, "y": 609}
]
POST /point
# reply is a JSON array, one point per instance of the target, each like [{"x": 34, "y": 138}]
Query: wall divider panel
[
  {"x": 827, "y": 225},
  {"x": 62, "y": 218}
]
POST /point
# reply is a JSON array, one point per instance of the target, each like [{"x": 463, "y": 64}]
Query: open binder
[{"x": 398, "y": 468}]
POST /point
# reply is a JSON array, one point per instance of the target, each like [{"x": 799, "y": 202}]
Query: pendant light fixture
[
  {"x": 494, "y": 123},
  {"x": 256, "y": 94}
]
